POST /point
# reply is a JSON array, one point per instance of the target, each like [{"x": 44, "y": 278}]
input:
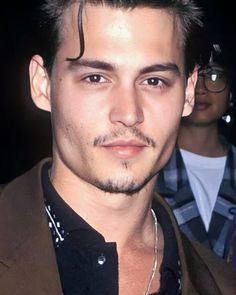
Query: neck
[
  {"x": 202, "y": 140},
  {"x": 127, "y": 218}
]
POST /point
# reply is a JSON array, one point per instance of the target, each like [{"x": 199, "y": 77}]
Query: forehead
[{"x": 123, "y": 32}]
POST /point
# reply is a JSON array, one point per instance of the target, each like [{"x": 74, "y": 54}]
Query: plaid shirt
[{"x": 174, "y": 186}]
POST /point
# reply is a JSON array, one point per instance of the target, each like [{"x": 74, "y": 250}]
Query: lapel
[{"x": 27, "y": 259}]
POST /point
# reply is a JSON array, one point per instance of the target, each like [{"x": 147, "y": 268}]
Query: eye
[
  {"x": 95, "y": 79},
  {"x": 153, "y": 81}
]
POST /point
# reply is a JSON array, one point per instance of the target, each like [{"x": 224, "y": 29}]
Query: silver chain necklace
[{"x": 154, "y": 268}]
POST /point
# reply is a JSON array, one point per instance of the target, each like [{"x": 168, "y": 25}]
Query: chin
[{"x": 128, "y": 187}]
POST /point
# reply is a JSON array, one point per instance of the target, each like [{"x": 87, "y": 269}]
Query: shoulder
[
  {"x": 23, "y": 183},
  {"x": 21, "y": 203}
]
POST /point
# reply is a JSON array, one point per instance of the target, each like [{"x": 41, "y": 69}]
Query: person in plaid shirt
[{"x": 199, "y": 180}]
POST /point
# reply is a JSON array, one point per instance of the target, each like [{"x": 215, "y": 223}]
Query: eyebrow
[
  {"x": 102, "y": 65},
  {"x": 90, "y": 63},
  {"x": 171, "y": 67}
]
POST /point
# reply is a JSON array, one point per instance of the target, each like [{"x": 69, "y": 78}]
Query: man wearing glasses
[{"x": 198, "y": 181}]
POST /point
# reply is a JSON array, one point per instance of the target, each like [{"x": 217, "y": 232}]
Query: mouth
[
  {"x": 201, "y": 106},
  {"x": 125, "y": 149}
]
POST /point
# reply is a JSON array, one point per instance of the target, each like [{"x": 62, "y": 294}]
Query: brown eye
[
  {"x": 153, "y": 81},
  {"x": 95, "y": 79}
]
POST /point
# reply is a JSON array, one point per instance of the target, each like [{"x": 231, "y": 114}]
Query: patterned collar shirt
[
  {"x": 87, "y": 264},
  {"x": 173, "y": 184}
]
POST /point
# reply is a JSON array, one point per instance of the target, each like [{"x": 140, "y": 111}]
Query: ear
[
  {"x": 39, "y": 83},
  {"x": 190, "y": 93}
]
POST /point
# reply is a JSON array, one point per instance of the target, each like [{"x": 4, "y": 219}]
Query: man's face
[{"x": 115, "y": 112}]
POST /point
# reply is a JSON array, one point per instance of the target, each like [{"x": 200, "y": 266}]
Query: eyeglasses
[{"x": 214, "y": 79}]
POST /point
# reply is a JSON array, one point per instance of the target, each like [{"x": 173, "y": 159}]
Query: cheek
[
  {"x": 79, "y": 101},
  {"x": 69, "y": 105},
  {"x": 222, "y": 105},
  {"x": 165, "y": 121}
]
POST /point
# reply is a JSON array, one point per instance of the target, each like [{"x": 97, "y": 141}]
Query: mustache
[{"x": 134, "y": 131}]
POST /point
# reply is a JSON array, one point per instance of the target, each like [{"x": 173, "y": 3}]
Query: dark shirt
[{"x": 87, "y": 264}]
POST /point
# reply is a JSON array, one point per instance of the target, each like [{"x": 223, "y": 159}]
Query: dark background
[{"x": 25, "y": 130}]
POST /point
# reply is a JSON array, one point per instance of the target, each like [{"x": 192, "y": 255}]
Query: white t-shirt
[{"x": 205, "y": 176}]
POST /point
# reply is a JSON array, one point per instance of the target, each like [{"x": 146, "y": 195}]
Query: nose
[
  {"x": 127, "y": 107},
  {"x": 200, "y": 86}
]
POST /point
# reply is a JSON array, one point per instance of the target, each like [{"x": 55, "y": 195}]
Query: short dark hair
[
  {"x": 186, "y": 12},
  {"x": 214, "y": 48}
]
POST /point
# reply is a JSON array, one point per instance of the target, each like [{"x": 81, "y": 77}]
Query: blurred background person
[{"x": 199, "y": 181}]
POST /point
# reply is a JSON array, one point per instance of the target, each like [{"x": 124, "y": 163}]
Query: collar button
[{"x": 101, "y": 259}]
